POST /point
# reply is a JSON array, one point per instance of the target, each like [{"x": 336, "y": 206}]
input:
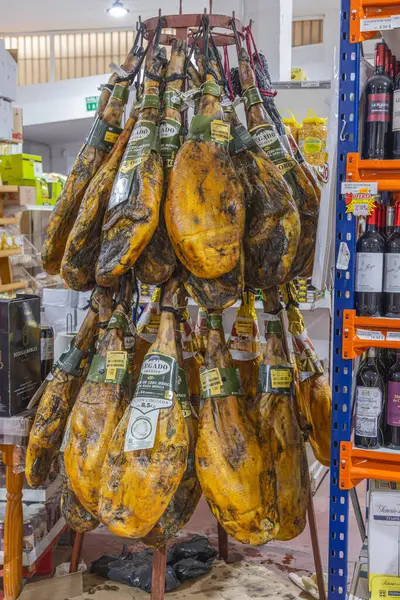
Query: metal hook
[{"x": 343, "y": 137}]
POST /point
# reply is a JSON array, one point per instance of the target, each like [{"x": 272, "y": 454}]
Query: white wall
[{"x": 317, "y": 59}]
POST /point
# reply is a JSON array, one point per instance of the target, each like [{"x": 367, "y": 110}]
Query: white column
[{"x": 272, "y": 30}]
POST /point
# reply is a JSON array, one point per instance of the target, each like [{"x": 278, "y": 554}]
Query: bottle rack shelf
[
  {"x": 357, "y": 464},
  {"x": 360, "y": 333},
  {"x": 385, "y": 172},
  {"x": 374, "y": 11}
]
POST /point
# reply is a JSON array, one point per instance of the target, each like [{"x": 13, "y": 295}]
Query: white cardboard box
[
  {"x": 384, "y": 529},
  {"x": 8, "y": 74},
  {"x": 6, "y": 120}
]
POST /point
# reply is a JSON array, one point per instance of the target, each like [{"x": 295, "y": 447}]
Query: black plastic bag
[
  {"x": 190, "y": 568},
  {"x": 141, "y": 578},
  {"x": 198, "y": 547}
]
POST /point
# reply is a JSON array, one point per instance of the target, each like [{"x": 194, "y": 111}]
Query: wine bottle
[
  {"x": 369, "y": 269},
  {"x": 378, "y": 97},
  {"x": 393, "y": 67},
  {"x": 46, "y": 345},
  {"x": 392, "y": 420},
  {"x": 389, "y": 221},
  {"x": 396, "y": 119},
  {"x": 369, "y": 403},
  {"x": 391, "y": 270}
]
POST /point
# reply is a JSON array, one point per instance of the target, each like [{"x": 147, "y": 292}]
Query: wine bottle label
[
  {"x": 393, "y": 404},
  {"x": 396, "y": 111},
  {"x": 47, "y": 348},
  {"x": 368, "y": 409},
  {"x": 158, "y": 381},
  {"x": 369, "y": 270},
  {"x": 391, "y": 279},
  {"x": 378, "y": 107}
]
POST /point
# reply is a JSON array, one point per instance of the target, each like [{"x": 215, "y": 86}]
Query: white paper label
[
  {"x": 38, "y": 169},
  {"x": 368, "y": 409},
  {"x": 364, "y": 334},
  {"x": 357, "y": 187},
  {"x": 47, "y": 348},
  {"x": 309, "y": 84},
  {"x": 366, "y": 426},
  {"x": 360, "y": 209},
  {"x": 369, "y": 271},
  {"x": 141, "y": 430},
  {"x": 376, "y": 24},
  {"x": 393, "y": 336},
  {"x": 395, "y": 21},
  {"x": 396, "y": 111},
  {"x": 391, "y": 281},
  {"x": 343, "y": 257}
]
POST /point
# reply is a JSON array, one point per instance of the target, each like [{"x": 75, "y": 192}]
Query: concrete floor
[{"x": 280, "y": 557}]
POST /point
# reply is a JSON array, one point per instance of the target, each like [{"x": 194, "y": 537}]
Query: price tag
[
  {"x": 374, "y": 24},
  {"x": 393, "y": 336},
  {"x": 310, "y": 84},
  {"x": 364, "y": 334},
  {"x": 115, "y": 361},
  {"x": 395, "y": 21},
  {"x": 343, "y": 258},
  {"x": 358, "y": 187}
]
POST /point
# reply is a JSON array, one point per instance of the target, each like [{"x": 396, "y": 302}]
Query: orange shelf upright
[
  {"x": 357, "y": 464},
  {"x": 369, "y": 9},
  {"x": 353, "y": 345},
  {"x": 385, "y": 172}
]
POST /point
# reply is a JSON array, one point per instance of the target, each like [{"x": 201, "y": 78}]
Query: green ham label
[
  {"x": 102, "y": 135},
  {"x": 158, "y": 381},
  {"x": 267, "y": 138},
  {"x": 112, "y": 368},
  {"x": 275, "y": 380},
  {"x": 170, "y": 140},
  {"x": 172, "y": 99},
  {"x": 218, "y": 383},
  {"x": 208, "y": 129},
  {"x": 144, "y": 139},
  {"x": 72, "y": 360}
]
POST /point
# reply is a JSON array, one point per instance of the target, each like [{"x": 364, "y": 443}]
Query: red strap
[
  {"x": 227, "y": 70},
  {"x": 249, "y": 43}
]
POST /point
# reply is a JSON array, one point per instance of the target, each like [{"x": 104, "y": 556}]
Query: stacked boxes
[{"x": 8, "y": 92}]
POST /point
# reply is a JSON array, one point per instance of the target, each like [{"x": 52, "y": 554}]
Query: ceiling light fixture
[{"x": 117, "y": 9}]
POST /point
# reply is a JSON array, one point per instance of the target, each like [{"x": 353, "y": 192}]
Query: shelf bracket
[{"x": 357, "y": 464}]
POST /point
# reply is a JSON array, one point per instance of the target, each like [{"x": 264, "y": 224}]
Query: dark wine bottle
[
  {"x": 391, "y": 270},
  {"x": 396, "y": 119},
  {"x": 46, "y": 345},
  {"x": 369, "y": 403},
  {"x": 393, "y": 68},
  {"x": 369, "y": 269},
  {"x": 378, "y": 98},
  {"x": 392, "y": 420},
  {"x": 389, "y": 221}
]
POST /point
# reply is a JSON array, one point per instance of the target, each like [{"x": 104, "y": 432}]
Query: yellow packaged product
[
  {"x": 312, "y": 139},
  {"x": 292, "y": 125}
]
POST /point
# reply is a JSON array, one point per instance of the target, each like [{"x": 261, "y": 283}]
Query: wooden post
[
  {"x": 76, "y": 551},
  {"x": 158, "y": 574},
  {"x": 13, "y": 528},
  {"x": 315, "y": 547},
  {"x": 223, "y": 543}
]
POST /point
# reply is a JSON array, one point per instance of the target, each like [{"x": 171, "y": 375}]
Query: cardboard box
[
  {"x": 18, "y": 131},
  {"x": 384, "y": 529},
  {"x": 8, "y": 74},
  {"x": 20, "y": 352},
  {"x": 6, "y": 121},
  {"x": 17, "y": 167},
  {"x": 24, "y": 196}
]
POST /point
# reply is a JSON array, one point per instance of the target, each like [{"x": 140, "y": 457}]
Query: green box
[
  {"x": 19, "y": 167},
  {"x": 48, "y": 191}
]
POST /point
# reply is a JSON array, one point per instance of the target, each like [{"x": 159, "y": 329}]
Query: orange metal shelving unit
[
  {"x": 385, "y": 172},
  {"x": 364, "y": 9},
  {"x": 355, "y": 339},
  {"x": 357, "y": 464}
]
